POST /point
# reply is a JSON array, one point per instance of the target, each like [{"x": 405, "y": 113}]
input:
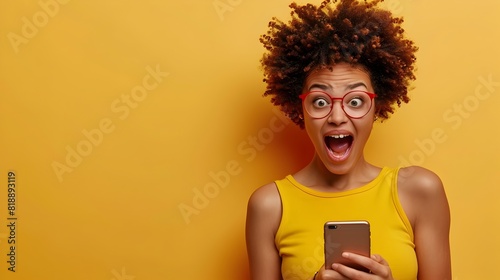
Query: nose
[{"x": 337, "y": 115}]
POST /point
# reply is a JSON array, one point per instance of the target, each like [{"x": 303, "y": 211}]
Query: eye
[
  {"x": 355, "y": 102},
  {"x": 320, "y": 102}
]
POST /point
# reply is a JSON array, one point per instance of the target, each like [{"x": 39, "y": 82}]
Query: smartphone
[{"x": 346, "y": 236}]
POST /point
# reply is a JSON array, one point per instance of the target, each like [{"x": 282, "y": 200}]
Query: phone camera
[{"x": 332, "y": 226}]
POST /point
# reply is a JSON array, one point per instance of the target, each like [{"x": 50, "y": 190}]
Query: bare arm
[
  {"x": 424, "y": 199},
  {"x": 263, "y": 218}
]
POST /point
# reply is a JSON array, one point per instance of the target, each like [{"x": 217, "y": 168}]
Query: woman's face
[{"x": 339, "y": 139}]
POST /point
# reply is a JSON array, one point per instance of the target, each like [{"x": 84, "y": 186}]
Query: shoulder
[
  {"x": 263, "y": 214},
  {"x": 421, "y": 193},
  {"x": 265, "y": 199},
  {"x": 263, "y": 219},
  {"x": 419, "y": 181},
  {"x": 423, "y": 197}
]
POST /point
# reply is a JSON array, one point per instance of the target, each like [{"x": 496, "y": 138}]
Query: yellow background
[{"x": 202, "y": 138}]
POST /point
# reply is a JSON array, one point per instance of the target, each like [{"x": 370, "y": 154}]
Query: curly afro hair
[{"x": 355, "y": 32}]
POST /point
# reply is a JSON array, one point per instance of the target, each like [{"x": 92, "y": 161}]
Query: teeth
[{"x": 339, "y": 136}]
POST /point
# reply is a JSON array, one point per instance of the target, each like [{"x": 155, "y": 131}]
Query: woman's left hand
[{"x": 379, "y": 268}]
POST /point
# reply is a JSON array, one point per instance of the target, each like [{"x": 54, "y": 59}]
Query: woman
[{"x": 334, "y": 70}]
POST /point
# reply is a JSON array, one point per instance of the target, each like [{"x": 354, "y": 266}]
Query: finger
[
  {"x": 375, "y": 264},
  {"x": 380, "y": 267},
  {"x": 329, "y": 274},
  {"x": 360, "y": 260},
  {"x": 379, "y": 259},
  {"x": 346, "y": 272},
  {"x": 376, "y": 258}
]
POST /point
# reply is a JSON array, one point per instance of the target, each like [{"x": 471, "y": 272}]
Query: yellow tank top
[{"x": 299, "y": 238}]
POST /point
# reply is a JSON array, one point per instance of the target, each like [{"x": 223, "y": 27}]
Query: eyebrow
[
  {"x": 355, "y": 85},
  {"x": 328, "y": 87}
]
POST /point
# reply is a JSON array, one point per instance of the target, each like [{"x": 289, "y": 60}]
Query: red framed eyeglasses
[{"x": 355, "y": 104}]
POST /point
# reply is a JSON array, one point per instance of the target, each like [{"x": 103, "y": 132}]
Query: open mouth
[{"x": 339, "y": 145}]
